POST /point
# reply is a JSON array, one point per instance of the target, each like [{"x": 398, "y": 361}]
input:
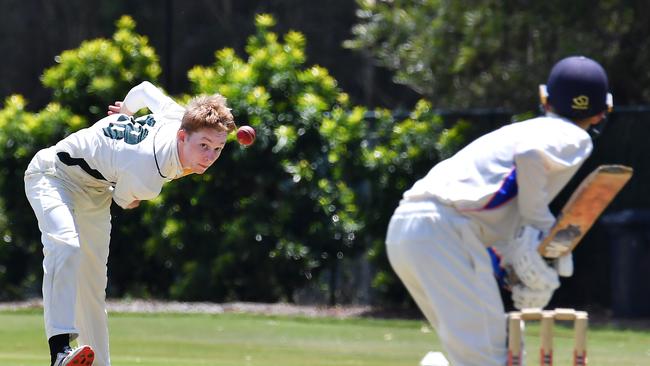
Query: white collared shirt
[
  {"x": 508, "y": 177},
  {"x": 121, "y": 148}
]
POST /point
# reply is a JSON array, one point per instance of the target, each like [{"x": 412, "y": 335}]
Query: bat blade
[{"x": 583, "y": 208}]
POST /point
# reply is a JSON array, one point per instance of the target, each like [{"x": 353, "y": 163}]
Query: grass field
[{"x": 251, "y": 340}]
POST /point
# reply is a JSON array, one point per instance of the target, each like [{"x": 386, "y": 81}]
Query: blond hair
[{"x": 208, "y": 112}]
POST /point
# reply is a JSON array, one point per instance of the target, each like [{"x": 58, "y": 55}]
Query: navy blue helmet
[{"x": 577, "y": 88}]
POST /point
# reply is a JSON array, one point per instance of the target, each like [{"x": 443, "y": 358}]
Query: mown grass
[{"x": 251, "y": 340}]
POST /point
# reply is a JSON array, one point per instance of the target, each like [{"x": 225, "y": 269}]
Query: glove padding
[
  {"x": 529, "y": 267},
  {"x": 525, "y": 297},
  {"x": 564, "y": 265}
]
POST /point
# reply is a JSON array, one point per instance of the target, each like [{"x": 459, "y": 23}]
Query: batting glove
[
  {"x": 528, "y": 265},
  {"x": 525, "y": 297},
  {"x": 564, "y": 265}
]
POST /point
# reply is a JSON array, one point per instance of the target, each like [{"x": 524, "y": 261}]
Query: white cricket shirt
[
  {"x": 136, "y": 156},
  {"x": 508, "y": 177}
]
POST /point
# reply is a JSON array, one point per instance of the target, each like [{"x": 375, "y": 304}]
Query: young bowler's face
[{"x": 197, "y": 151}]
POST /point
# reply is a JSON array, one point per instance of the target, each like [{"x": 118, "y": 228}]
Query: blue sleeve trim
[
  {"x": 499, "y": 272},
  {"x": 507, "y": 191}
]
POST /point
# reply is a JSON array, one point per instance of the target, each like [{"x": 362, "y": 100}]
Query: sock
[{"x": 58, "y": 344}]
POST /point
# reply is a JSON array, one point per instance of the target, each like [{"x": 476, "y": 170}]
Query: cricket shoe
[{"x": 80, "y": 356}]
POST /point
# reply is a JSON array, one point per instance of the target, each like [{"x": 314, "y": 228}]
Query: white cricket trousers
[
  {"x": 75, "y": 225},
  {"x": 448, "y": 272}
]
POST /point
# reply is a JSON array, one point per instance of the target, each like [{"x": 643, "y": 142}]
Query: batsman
[
  {"x": 70, "y": 187},
  {"x": 495, "y": 190}
]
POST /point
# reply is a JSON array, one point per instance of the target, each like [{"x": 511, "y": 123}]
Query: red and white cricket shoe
[{"x": 80, "y": 356}]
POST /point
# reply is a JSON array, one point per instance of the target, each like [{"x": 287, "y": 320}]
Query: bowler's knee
[{"x": 65, "y": 245}]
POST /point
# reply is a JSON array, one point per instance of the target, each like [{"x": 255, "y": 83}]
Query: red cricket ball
[{"x": 245, "y": 135}]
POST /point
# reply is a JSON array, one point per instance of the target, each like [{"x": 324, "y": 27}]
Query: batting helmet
[{"x": 577, "y": 88}]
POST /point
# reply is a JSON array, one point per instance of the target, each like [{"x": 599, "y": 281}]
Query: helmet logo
[{"x": 580, "y": 102}]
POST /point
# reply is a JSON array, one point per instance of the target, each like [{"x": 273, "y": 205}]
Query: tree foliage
[
  {"x": 316, "y": 189},
  {"x": 92, "y": 76},
  {"x": 22, "y": 134},
  {"x": 89, "y": 77},
  {"x": 494, "y": 53}
]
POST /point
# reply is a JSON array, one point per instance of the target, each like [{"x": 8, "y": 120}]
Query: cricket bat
[{"x": 583, "y": 208}]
